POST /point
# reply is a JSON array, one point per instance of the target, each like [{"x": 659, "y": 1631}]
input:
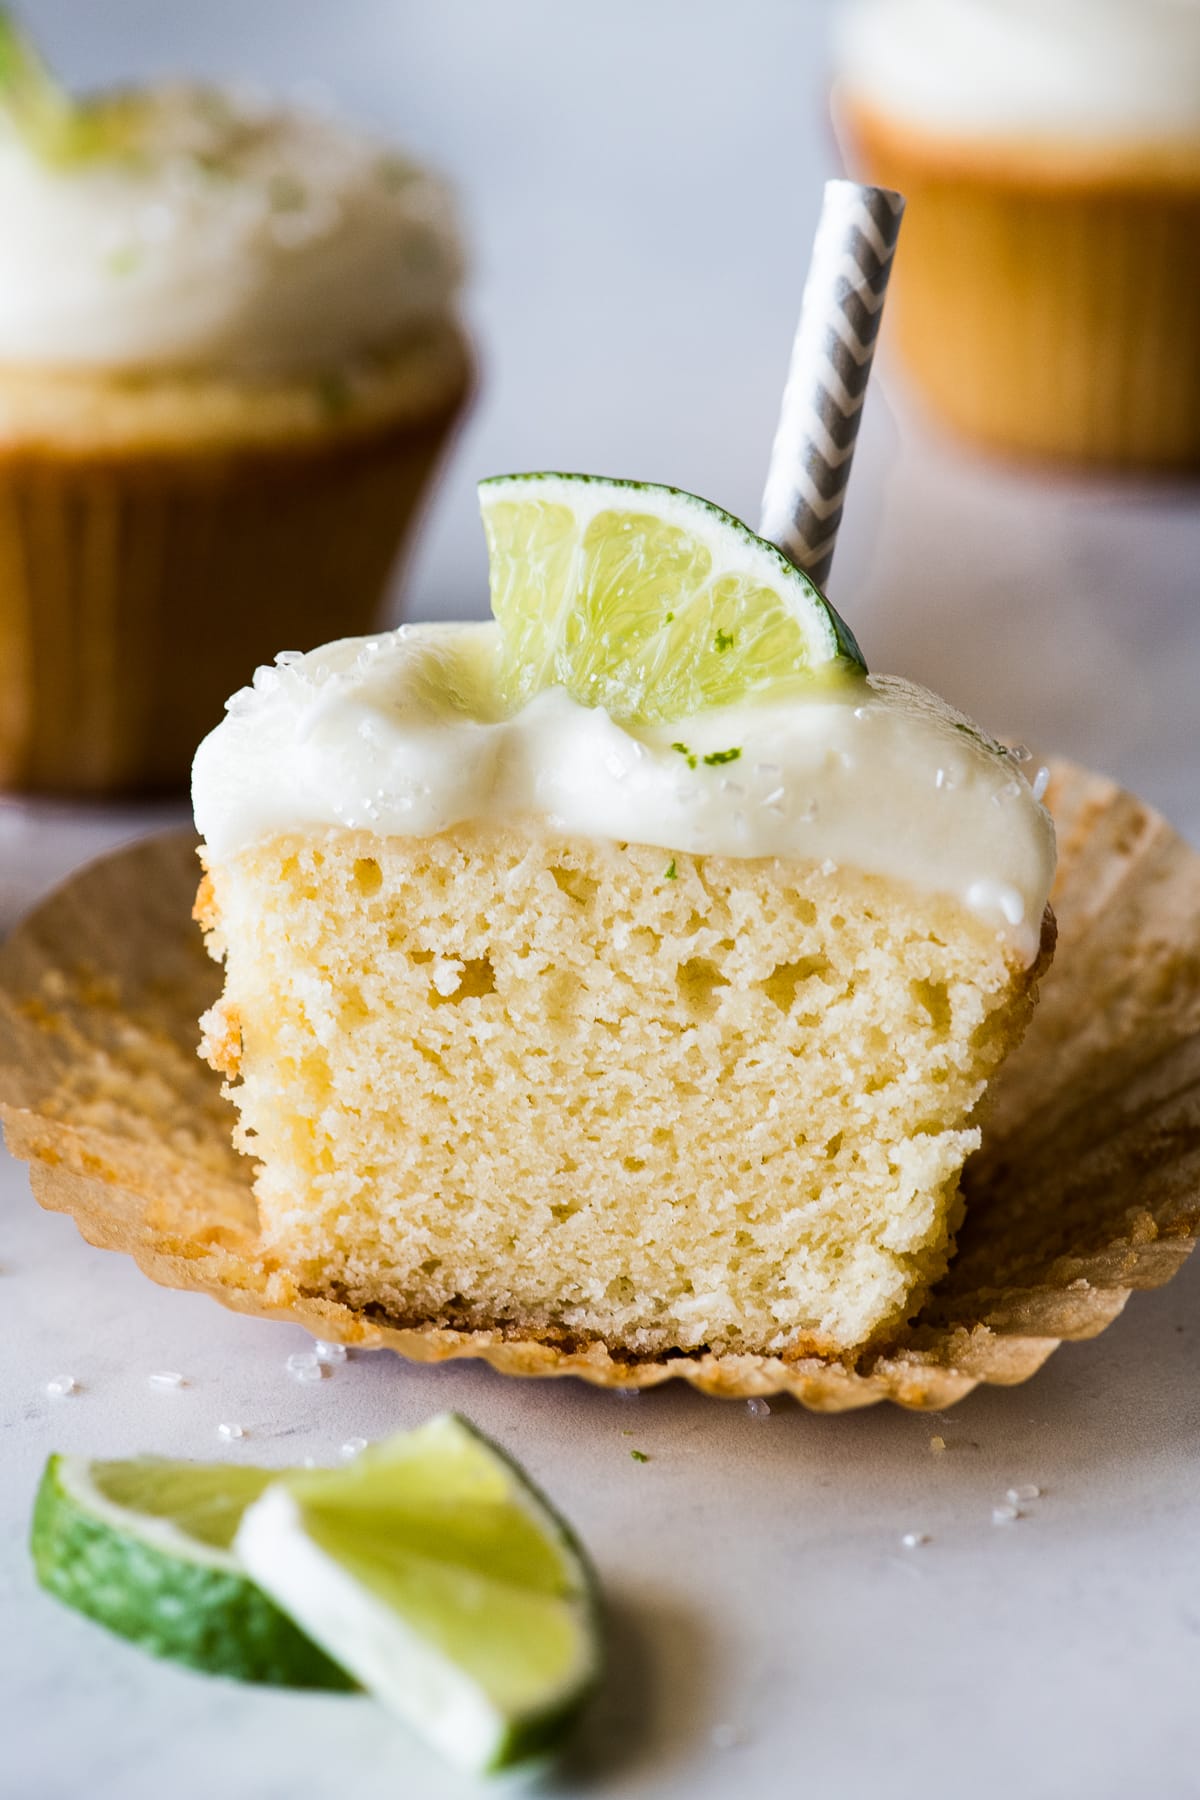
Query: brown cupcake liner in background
[
  {"x": 1087, "y": 1185},
  {"x": 1051, "y": 308},
  {"x": 138, "y": 590}
]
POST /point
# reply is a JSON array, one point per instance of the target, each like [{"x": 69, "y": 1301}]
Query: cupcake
[
  {"x": 229, "y": 360},
  {"x": 627, "y": 972},
  {"x": 1047, "y": 301}
]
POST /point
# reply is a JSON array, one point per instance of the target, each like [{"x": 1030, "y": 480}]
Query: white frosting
[
  {"x": 400, "y": 734},
  {"x": 1091, "y": 69},
  {"x": 234, "y": 239}
]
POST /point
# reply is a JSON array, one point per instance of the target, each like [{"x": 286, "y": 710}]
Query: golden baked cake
[{"x": 629, "y": 969}]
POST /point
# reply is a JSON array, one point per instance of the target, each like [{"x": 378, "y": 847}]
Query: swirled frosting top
[
  {"x": 1098, "y": 70},
  {"x": 228, "y": 236}
]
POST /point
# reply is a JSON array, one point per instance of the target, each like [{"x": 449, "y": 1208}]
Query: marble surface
[{"x": 641, "y": 185}]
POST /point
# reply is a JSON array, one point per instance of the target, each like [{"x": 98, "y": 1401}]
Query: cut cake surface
[{"x": 597, "y": 1092}]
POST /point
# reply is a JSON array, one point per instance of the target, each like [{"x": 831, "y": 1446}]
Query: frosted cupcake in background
[
  {"x": 1048, "y": 298},
  {"x": 229, "y": 358}
]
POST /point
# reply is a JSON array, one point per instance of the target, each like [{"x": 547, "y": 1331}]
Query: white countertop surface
[{"x": 642, "y": 184}]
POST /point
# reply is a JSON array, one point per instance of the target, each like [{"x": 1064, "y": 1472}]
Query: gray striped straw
[{"x": 828, "y": 374}]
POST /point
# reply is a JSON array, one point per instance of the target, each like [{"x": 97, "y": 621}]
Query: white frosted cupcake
[
  {"x": 1048, "y": 295},
  {"x": 229, "y": 357}
]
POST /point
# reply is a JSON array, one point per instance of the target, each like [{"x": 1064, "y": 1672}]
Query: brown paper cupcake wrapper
[
  {"x": 1087, "y": 1185},
  {"x": 136, "y": 592},
  {"x": 1050, "y": 318}
]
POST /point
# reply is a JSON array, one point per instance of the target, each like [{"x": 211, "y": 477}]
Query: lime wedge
[
  {"x": 50, "y": 121},
  {"x": 435, "y": 1573},
  {"x": 143, "y": 1547},
  {"x": 647, "y": 601}
]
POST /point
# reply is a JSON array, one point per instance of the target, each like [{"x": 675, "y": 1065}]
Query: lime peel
[
  {"x": 111, "y": 1540},
  {"x": 433, "y": 1571}
]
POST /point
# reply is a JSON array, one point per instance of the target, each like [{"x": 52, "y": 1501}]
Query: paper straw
[{"x": 828, "y": 374}]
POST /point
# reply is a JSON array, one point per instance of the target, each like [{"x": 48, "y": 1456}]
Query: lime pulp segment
[
  {"x": 143, "y": 1547},
  {"x": 433, "y": 1571},
  {"x": 51, "y": 122},
  {"x": 647, "y": 601}
]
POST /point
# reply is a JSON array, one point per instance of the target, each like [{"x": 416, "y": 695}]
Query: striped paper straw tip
[{"x": 827, "y": 378}]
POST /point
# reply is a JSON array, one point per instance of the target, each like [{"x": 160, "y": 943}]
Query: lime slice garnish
[
  {"x": 434, "y": 1572},
  {"x": 144, "y": 1547},
  {"x": 647, "y": 601},
  {"x": 54, "y": 124}
]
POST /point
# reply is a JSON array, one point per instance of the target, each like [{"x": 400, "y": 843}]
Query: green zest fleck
[
  {"x": 639, "y": 1456},
  {"x": 721, "y": 756},
  {"x": 671, "y": 873},
  {"x": 670, "y": 618},
  {"x": 285, "y": 192},
  {"x": 684, "y": 751},
  {"x": 333, "y": 394},
  {"x": 125, "y": 260},
  {"x": 723, "y": 640}
]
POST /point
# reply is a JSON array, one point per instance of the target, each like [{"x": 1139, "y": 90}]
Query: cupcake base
[
  {"x": 143, "y": 577},
  {"x": 1087, "y": 1185},
  {"x": 1046, "y": 303}
]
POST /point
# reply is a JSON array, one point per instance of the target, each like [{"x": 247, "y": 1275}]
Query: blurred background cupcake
[
  {"x": 1047, "y": 299},
  {"x": 229, "y": 358}
]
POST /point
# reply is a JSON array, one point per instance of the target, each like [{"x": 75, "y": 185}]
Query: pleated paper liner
[{"x": 1087, "y": 1185}]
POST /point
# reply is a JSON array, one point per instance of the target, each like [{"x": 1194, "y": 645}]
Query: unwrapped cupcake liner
[
  {"x": 137, "y": 592},
  {"x": 1087, "y": 1185},
  {"x": 1043, "y": 314}
]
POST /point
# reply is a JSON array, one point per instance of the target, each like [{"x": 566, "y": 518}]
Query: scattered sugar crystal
[
  {"x": 61, "y": 1386},
  {"x": 774, "y": 799},
  {"x": 1027, "y": 1491},
  {"x": 829, "y": 867},
  {"x": 284, "y": 657},
  {"x": 629, "y": 1393},
  {"x": 1020, "y": 753},
  {"x": 731, "y": 787},
  {"x": 860, "y": 712},
  {"x": 305, "y": 1365},
  {"x": 727, "y": 1737},
  {"x": 808, "y": 813},
  {"x": 937, "y": 1445},
  {"x": 912, "y": 1540},
  {"x": 1004, "y": 1515},
  {"x": 166, "y": 1378},
  {"x": 352, "y": 1448},
  {"x": 758, "y": 1409},
  {"x": 329, "y": 1353},
  {"x": 1041, "y": 782},
  {"x": 230, "y": 1433}
]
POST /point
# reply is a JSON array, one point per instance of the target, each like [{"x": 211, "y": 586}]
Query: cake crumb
[{"x": 937, "y": 1445}]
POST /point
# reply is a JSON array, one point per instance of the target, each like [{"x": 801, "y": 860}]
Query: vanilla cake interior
[{"x": 589, "y": 1090}]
